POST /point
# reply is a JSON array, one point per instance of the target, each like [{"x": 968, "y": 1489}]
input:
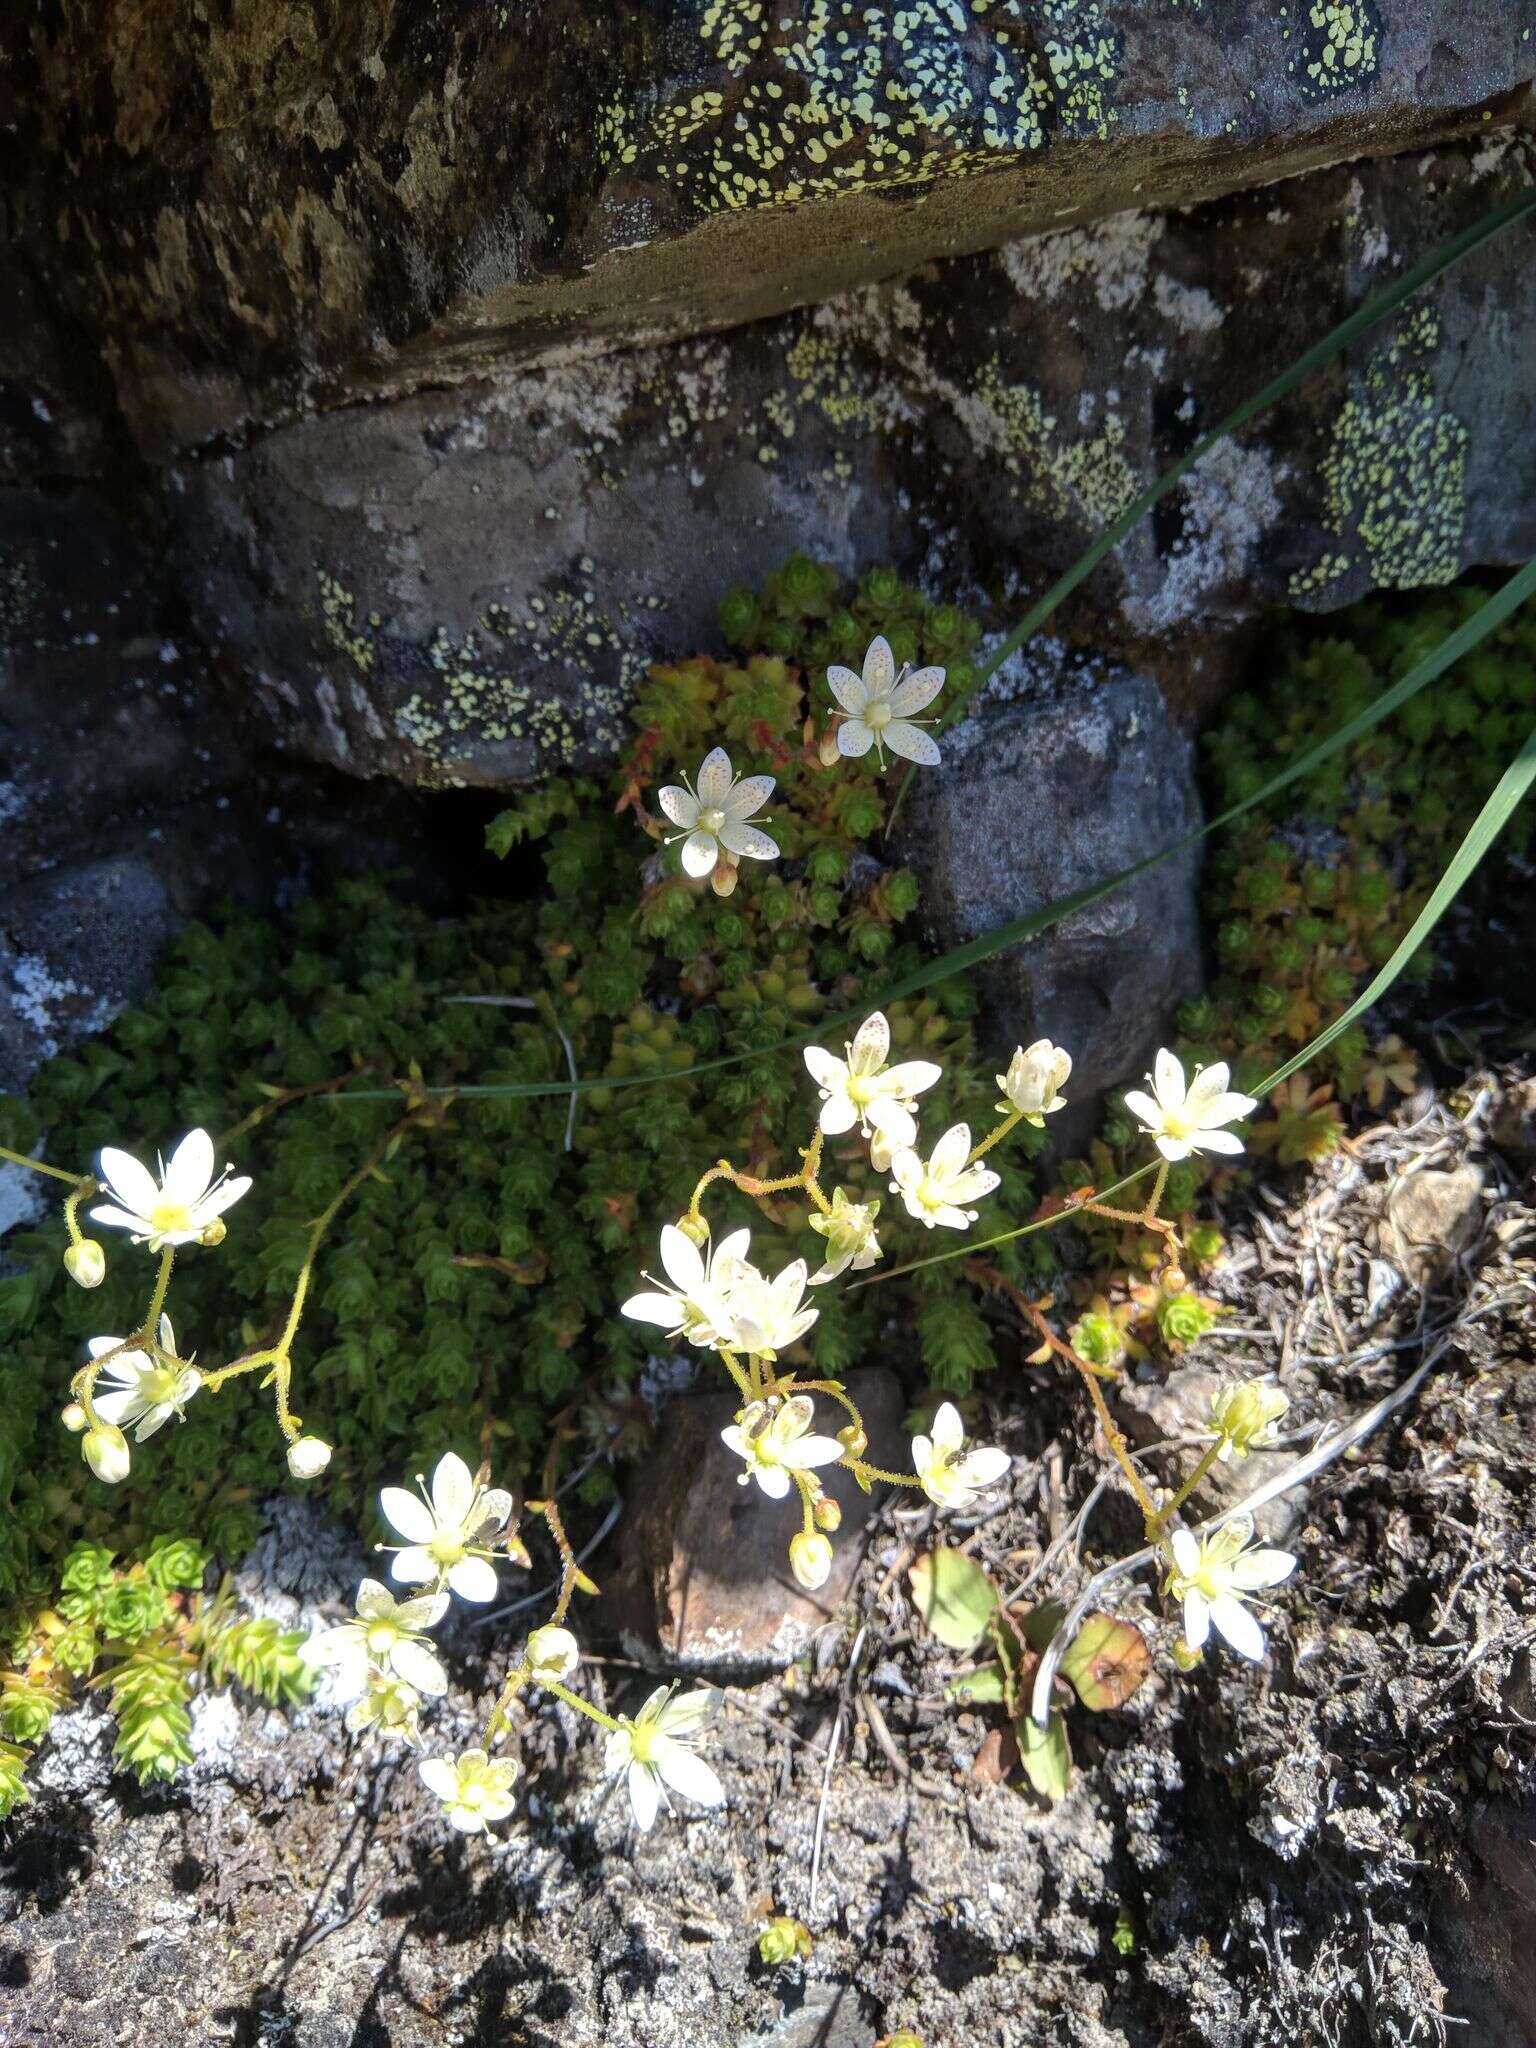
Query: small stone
[{"x": 1432, "y": 1216}]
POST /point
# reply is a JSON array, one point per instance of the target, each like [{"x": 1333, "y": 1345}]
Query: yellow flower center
[
  {"x": 471, "y": 1793},
  {"x": 167, "y": 1217},
  {"x": 642, "y": 1742},
  {"x": 158, "y": 1385},
  {"x": 877, "y": 715},
  {"x": 711, "y": 820},
  {"x": 382, "y": 1637},
  {"x": 1177, "y": 1125},
  {"x": 447, "y": 1547}
]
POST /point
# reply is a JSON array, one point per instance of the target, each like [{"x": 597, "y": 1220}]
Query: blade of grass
[
  {"x": 1375, "y": 309},
  {"x": 1486, "y": 619},
  {"x": 1511, "y": 787}
]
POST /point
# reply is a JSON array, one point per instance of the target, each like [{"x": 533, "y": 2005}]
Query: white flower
[
  {"x": 849, "y": 1228},
  {"x": 810, "y": 1559},
  {"x": 139, "y": 1388},
  {"x": 714, "y": 814},
  {"x": 1188, "y": 1119},
  {"x": 388, "y": 1635},
  {"x": 878, "y": 706},
  {"x": 1214, "y": 1575},
  {"x": 951, "y": 1475},
  {"x": 938, "y": 1191},
  {"x": 472, "y": 1788},
  {"x": 551, "y": 1653},
  {"x": 862, "y": 1090},
  {"x": 86, "y": 1263},
  {"x": 446, "y": 1535},
  {"x": 1245, "y": 1417},
  {"x": 1034, "y": 1079},
  {"x": 696, "y": 1304},
  {"x": 388, "y": 1704},
  {"x": 655, "y": 1750},
  {"x": 767, "y": 1314},
  {"x": 176, "y": 1209},
  {"x": 308, "y": 1457},
  {"x": 772, "y": 1437},
  {"x": 105, "y": 1450}
]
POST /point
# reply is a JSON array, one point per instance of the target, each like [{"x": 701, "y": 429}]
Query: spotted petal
[
  {"x": 847, "y": 688},
  {"x": 680, "y": 805},
  {"x": 912, "y": 743},
  {"x": 747, "y": 796},
  {"x": 747, "y": 843},
  {"x": 700, "y": 852},
  {"x": 916, "y": 692},
  {"x": 714, "y": 780},
  {"x": 879, "y": 666},
  {"x": 854, "y": 738}
]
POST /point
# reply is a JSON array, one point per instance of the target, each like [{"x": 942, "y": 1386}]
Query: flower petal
[
  {"x": 912, "y": 743},
  {"x": 1197, "y": 1618},
  {"x": 1206, "y": 1086},
  {"x": 1168, "y": 1079},
  {"x": 415, "y": 1663},
  {"x": 1212, "y": 1141},
  {"x": 407, "y": 1514},
  {"x": 662, "y": 1309},
  {"x": 680, "y": 805},
  {"x": 948, "y": 1429},
  {"x": 951, "y": 1152},
  {"x": 1258, "y": 1568},
  {"x": 440, "y": 1775},
  {"x": 474, "y": 1578},
  {"x": 700, "y": 852},
  {"x": 879, "y": 665},
  {"x": 714, "y": 779},
  {"x": 747, "y": 843},
  {"x": 413, "y": 1566},
  {"x": 915, "y": 692},
  {"x": 682, "y": 1259},
  {"x": 117, "y": 1219},
  {"x": 984, "y": 1466},
  {"x": 218, "y": 1199},
  {"x": 847, "y": 688},
  {"x": 685, "y": 1717},
  {"x": 1142, "y": 1107},
  {"x": 1186, "y": 1551},
  {"x": 190, "y": 1171},
  {"x": 687, "y": 1773},
  {"x": 854, "y": 738},
  {"x": 892, "y": 1119},
  {"x": 131, "y": 1184},
  {"x": 747, "y": 796},
  {"x": 912, "y": 1077},
  {"x": 773, "y": 1479},
  {"x": 1177, "y": 1148},
  {"x": 644, "y": 1796},
  {"x": 806, "y": 1452},
  {"x": 838, "y": 1115},
  {"x": 1232, "y": 1619},
  {"x": 453, "y": 1490},
  {"x": 1227, "y": 1109}
]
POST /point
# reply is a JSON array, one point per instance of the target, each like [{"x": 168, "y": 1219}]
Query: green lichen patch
[{"x": 1332, "y": 45}]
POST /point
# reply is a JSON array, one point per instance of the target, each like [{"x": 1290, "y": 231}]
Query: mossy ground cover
[{"x": 468, "y": 1296}]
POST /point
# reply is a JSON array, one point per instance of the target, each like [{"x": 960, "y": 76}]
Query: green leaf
[
  {"x": 1046, "y": 1755},
  {"x": 954, "y": 1596},
  {"x": 980, "y": 1688}
]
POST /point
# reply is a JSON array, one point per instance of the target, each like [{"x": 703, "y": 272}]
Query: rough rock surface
[
  {"x": 461, "y": 586},
  {"x": 248, "y": 206},
  {"x": 705, "y": 1579},
  {"x": 1062, "y": 775}
]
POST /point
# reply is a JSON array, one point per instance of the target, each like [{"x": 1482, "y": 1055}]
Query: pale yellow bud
[
  {"x": 214, "y": 1232},
  {"x": 694, "y": 1228},
  {"x": 810, "y": 1558},
  {"x": 1245, "y": 1417},
  {"x": 828, "y": 752},
  {"x": 86, "y": 1263},
  {"x": 73, "y": 1417},
  {"x": 308, "y": 1457},
  {"x": 105, "y": 1450},
  {"x": 722, "y": 878},
  {"x": 853, "y": 1440},
  {"x": 829, "y": 1515},
  {"x": 552, "y": 1654}
]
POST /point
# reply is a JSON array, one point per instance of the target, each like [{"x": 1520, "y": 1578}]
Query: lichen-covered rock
[
  {"x": 289, "y": 203},
  {"x": 1056, "y": 780},
  {"x": 462, "y": 587}
]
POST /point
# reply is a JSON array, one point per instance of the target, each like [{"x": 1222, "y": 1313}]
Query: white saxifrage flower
[
  {"x": 1215, "y": 1575},
  {"x": 387, "y": 1635},
  {"x": 863, "y": 1090},
  {"x": 696, "y": 1305},
  {"x": 768, "y": 1315},
  {"x": 186, "y": 1200},
  {"x": 714, "y": 814},
  {"x": 951, "y": 1475},
  {"x": 1182, "y": 1118},
  {"x": 879, "y": 707},
  {"x": 849, "y": 1228},
  {"x": 655, "y": 1751},
  {"x": 552, "y": 1653},
  {"x": 473, "y": 1789},
  {"x": 1246, "y": 1417},
  {"x": 388, "y": 1704},
  {"x": 1034, "y": 1080},
  {"x": 139, "y": 1389},
  {"x": 937, "y": 1190},
  {"x": 774, "y": 1438},
  {"x": 447, "y": 1535}
]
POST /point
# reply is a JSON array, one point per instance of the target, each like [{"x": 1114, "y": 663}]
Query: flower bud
[
  {"x": 105, "y": 1450},
  {"x": 1245, "y": 1417},
  {"x": 722, "y": 878},
  {"x": 694, "y": 1228},
  {"x": 828, "y": 752},
  {"x": 86, "y": 1263},
  {"x": 551, "y": 1654},
  {"x": 1034, "y": 1080},
  {"x": 829, "y": 1515},
  {"x": 517, "y": 1551},
  {"x": 853, "y": 1440},
  {"x": 73, "y": 1417},
  {"x": 810, "y": 1559},
  {"x": 215, "y": 1230},
  {"x": 1186, "y": 1658},
  {"x": 308, "y": 1457}
]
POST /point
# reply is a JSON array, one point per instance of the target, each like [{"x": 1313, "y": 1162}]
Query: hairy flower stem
[
  {"x": 82, "y": 1386},
  {"x": 1171, "y": 1508},
  {"x": 749, "y": 1184},
  {"x": 72, "y": 1202},
  {"x": 582, "y": 1706},
  {"x": 37, "y": 1166},
  {"x": 866, "y": 1473},
  {"x": 1009, "y": 1122},
  {"x": 570, "y": 1573},
  {"x": 1147, "y": 1218}
]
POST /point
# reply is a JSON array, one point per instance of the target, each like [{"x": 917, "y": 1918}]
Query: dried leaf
[
  {"x": 1106, "y": 1662},
  {"x": 998, "y": 1754}
]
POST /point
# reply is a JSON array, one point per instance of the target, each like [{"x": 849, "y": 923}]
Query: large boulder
[
  {"x": 271, "y": 203},
  {"x": 461, "y": 586}
]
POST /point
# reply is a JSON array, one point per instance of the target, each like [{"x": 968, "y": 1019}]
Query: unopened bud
[
  {"x": 73, "y": 1417},
  {"x": 105, "y": 1450},
  {"x": 853, "y": 1440},
  {"x": 1175, "y": 1280},
  {"x": 552, "y": 1654},
  {"x": 214, "y": 1232},
  {"x": 810, "y": 1559},
  {"x": 722, "y": 878},
  {"x": 86, "y": 1263},
  {"x": 517, "y": 1552},
  {"x": 829, "y": 1515},
  {"x": 308, "y": 1457},
  {"x": 828, "y": 752},
  {"x": 694, "y": 1228},
  {"x": 1186, "y": 1656}
]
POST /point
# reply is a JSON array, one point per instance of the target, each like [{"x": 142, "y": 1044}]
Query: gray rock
[
  {"x": 462, "y": 586},
  {"x": 1055, "y": 781},
  {"x": 285, "y": 206}
]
